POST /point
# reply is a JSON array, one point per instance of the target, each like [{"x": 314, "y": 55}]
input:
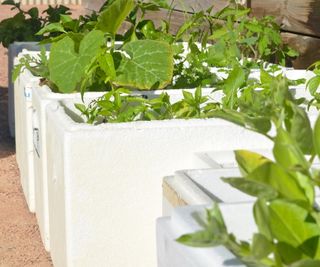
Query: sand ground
[{"x": 20, "y": 243}]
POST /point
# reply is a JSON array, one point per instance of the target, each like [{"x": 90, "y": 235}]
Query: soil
[{"x": 20, "y": 242}]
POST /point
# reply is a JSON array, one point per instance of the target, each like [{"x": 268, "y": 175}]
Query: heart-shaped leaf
[
  {"x": 147, "y": 64},
  {"x": 66, "y": 66}
]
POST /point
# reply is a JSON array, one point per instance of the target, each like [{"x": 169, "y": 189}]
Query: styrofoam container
[
  {"x": 41, "y": 97},
  {"x": 31, "y": 101},
  {"x": 13, "y": 51},
  {"x": 185, "y": 220},
  {"x": 105, "y": 181},
  {"x": 24, "y": 150}
]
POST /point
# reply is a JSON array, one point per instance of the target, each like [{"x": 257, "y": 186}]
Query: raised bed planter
[
  {"x": 31, "y": 101},
  {"x": 13, "y": 51},
  {"x": 238, "y": 218},
  {"x": 41, "y": 97},
  {"x": 102, "y": 177},
  {"x": 23, "y": 112}
]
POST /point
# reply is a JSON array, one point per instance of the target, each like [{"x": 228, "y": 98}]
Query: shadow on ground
[{"x": 7, "y": 146}]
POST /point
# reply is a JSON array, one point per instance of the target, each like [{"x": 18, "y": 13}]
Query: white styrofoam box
[
  {"x": 23, "y": 97},
  {"x": 23, "y": 114},
  {"x": 13, "y": 51},
  {"x": 105, "y": 182},
  {"x": 203, "y": 187},
  {"x": 180, "y": 190},
  {"x": 225, "y": 159},
  {"x": 199, "y": 187},
  {"x": 184, "y": 220},
  {"x": 41, "y": 97}
]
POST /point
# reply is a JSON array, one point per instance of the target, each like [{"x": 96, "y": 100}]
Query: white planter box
[
  {"x": 41, "y": 97},
  {"x": 23, "y": 132},
  {"x": 238, "y": 218},
  {"x": 31, "y": 101},
  {"x": 13, "y": 51},
  {"x": 105, "y": 182}
]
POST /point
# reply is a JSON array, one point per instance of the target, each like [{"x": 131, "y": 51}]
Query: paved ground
[{"x": 20, "y": 243}]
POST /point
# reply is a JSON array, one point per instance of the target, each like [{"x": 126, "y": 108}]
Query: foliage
[
  {"x": 122, "y": 105},
  {"x": 314, "y": 84},
  {"x": 25, "y": 24},
  {"x": 255, "y": 108},
  {"x": 285, "y": 211}
]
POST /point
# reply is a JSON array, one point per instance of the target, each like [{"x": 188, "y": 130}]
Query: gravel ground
[{"x": 20, "y": 243}]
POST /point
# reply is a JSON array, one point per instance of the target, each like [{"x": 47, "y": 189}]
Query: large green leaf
[
  {"x": 231, "y": 85},
  {"x": 262, "y": 217},
  {"x": 147, "y": 64},
  {"x": 114, "y": 15},
  {"x": 285, "y": 184},
  {"x": 248, "y": 161},
  {"x": 261, "y": 246},
  {"x": 252, "y": 188},
  {"x": 287, "y": 152},
  {"x": 289, "y": 223},
  {"x": 316, "y": 137},
  {"x": 67, "y": 67},
  {"x": 299, "y": 127}
]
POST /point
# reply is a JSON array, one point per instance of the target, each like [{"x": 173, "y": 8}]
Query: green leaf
[
  {"x": 114, "y": 15},
  {"x": 234, "y": 81},
  {"x": 248, "y": 161},
  {"x": 287, "y": 152},
  {"x": 273, "y": 175},
  {"x": 147, "y": 64},
  {"x": 289, "y": 223},
  {"x": 313, "y": 84},
  {"x": 307, "y": 263},
  {"x": 252, "y": 188},
  {"x": 53, "y": 27},
  {"x": 288, "y": 253},
  {"x": 299, "y": 127},
  {"x": 262, "y": 217},
  {"x": 261, "y": 246},
  {"x": 316, "y": 136},
  {"x": 215, "y": 232},
  {"x": 67, "y": 67},
  {"x": 200, "y": 239}
]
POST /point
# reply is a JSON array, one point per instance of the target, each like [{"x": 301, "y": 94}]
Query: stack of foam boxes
[{"x": 97, "y": 189}]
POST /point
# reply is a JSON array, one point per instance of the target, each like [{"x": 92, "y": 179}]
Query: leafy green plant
[
  {"x": 123, "y": 105},
  {"x": 286, "y": 213},
  {"x": 25, "y": 24},
  {"x": 248, "y": 38},
  {"x": 314, "y": 84}
]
